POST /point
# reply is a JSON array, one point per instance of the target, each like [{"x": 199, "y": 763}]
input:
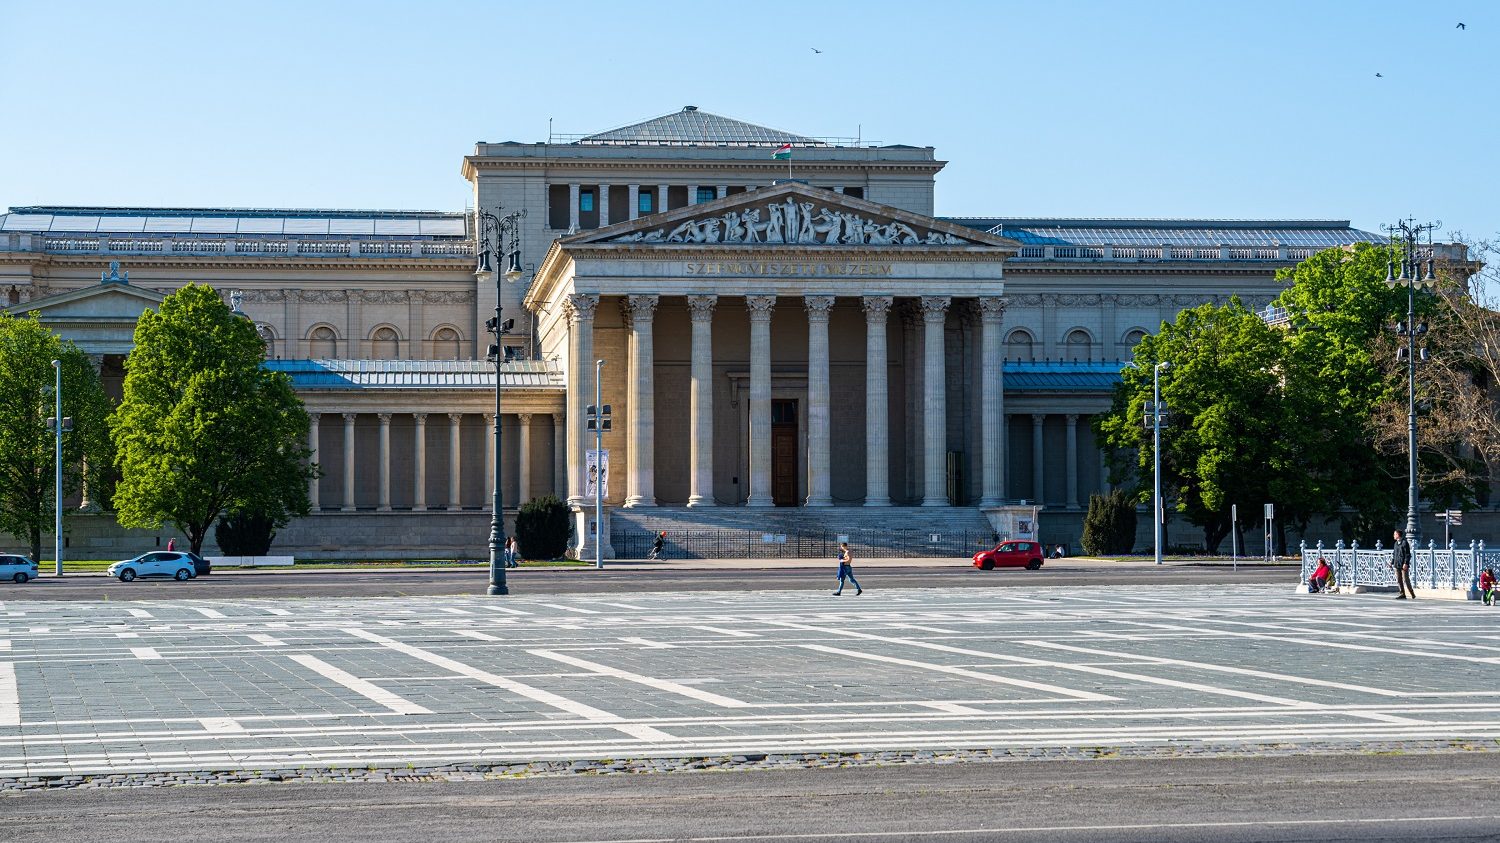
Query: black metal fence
[{"x": 754, "y": 544}]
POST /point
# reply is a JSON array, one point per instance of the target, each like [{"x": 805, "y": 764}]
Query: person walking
[
  {"x": 510, "y": 553},
  {"x": 1401, "y": 561},
  {"x": 656, "y": 545},
  {"x": 172, "y": 544},
  {"x": 846, "y": 570}
]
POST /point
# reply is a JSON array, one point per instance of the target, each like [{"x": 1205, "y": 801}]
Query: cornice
[{"x": 772, "y": 168}]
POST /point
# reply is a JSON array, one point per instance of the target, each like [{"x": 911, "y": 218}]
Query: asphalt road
[
  {"x": 1445, "y": 796},
  {"x": 409, "y": 583}
]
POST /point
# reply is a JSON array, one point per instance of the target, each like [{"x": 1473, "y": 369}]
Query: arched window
[
  {"x": 267, "y": 336},
  {"x": 1018, "y": 346},
  {"x": 322, "y": 343},
  {"x": 1134, "y": 337},
  {"x": 445, "y": 344},
  {"x": 385, "y": 344},
  {"x": 1080, "y": 346}
]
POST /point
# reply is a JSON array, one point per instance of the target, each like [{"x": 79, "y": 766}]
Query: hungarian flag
[{"x": 783, "y": 152}]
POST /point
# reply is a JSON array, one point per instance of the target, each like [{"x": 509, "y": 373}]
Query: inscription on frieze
[{"x": 788, "y": 269}]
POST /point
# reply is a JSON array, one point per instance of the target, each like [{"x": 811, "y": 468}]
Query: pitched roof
[
  {"x": 415, "y": 374},
  {"x": 691, "y": 127},
  {"x": 1316, "y": 234},
  {"x": 1061, "y": 375}
]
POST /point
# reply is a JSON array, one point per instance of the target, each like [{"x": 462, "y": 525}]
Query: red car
[{"x": 1016, "y": 554}]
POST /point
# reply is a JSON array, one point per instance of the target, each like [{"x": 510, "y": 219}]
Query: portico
[{"x": 752, "y": 359}]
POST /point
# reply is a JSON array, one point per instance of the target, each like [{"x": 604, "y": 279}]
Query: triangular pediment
[
  {"x": 790, "y": 214},
  {"x": 106, "y": 301}
]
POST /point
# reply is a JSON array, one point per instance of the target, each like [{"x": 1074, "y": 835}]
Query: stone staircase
[{"x": 729, "y": 532}]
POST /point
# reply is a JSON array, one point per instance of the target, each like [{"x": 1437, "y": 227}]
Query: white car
[
  {"x": 160, "y": 563},
  {"x": 17, "y": 569}
]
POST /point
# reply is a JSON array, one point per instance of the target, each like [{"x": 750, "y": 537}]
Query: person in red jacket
[
  {"x": 1319, "y": 579},
  {"x": 1487, "y": 586}
]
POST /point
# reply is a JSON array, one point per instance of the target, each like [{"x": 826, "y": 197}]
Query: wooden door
[{"x": 784, "y": 452}]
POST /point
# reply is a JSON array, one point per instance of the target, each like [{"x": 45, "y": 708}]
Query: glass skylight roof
[
  {"x": 206, "y": 221},
  {"x": 1295, "y": 235}
]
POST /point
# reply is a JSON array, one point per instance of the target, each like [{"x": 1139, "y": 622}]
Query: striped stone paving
[{"x": 100, "y": 688}]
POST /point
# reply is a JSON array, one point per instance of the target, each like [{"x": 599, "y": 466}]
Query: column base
[
  {"x": 383, "y": 509},
  {"x": 819, "y": 502},
  {"x": 347, "y": 509},
  {"x": 452, "y": 508},
  {"x": 635, "y": 501},
  {"x": 422, "y": 508},
  {"x": 760, "y": 501},
  {"x": 990, "y": 503},
  {"x": 935, "y": 502},
  {"x": 877, "y": 502},
  {"x": 698, "y": 501}
]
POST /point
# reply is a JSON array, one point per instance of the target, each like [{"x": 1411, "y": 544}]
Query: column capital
[
  {"x": 701, "y": 307},
  {"x": 992, "y": 309},
  {"x": 523, "y": 418},
  {"x": 877, "y": 308},
  {"x": 817, "y": 307},
  {"x": 314, "y": 417},
  {"x": 559, "y": 418},
  {"x": 421, "y": 418},
  {"x": 580, "y": 307},
  {"x": 935, "y": 308},
  {"x": 455, "y": 418},
  {"x": 350, "y": 417},
  {"x": 1038, "y": 418},
  {"x": 385, "y": 418},
  {"x": 1072, "y": 419},
  {"x": 761, "y": 307},
  {"x": 489, "y": 418},
  {"x": 641, "y": 308}
]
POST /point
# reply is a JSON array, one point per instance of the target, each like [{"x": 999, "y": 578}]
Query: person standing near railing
[{"x": 1401, "y": 561}]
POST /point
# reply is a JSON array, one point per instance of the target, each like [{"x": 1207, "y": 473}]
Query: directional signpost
[{"x": 1451, "y": 518}]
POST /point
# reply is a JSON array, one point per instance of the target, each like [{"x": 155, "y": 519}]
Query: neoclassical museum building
[{"x": 791, "y": 356}]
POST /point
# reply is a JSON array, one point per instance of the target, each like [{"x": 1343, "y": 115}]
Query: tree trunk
[
  {"x": 1213, "y": 535},
  {"x": 36, "y": 544},
  {"x": 196, "y": 535}
]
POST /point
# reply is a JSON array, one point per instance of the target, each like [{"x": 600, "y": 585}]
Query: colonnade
[
  {"x": 579, "y": 309},
  {"x": 1074, "y": 426},
  {"x": 355, "y": 464}
]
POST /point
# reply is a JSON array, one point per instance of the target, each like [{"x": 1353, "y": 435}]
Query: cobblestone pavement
[{"x": 183, "y": 691}]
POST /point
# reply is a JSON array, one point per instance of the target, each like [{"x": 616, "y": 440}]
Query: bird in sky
[
  {"x": 820, "y": 52},
  {"x": 1378, "y": 76},
  {"x": 1462, "y": 25}
]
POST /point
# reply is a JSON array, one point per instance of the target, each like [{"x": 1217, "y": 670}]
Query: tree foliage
[
  {"x": 1109, "y": 524},
  {"x": 203, "y": 429},
  {"x": 245, "y": 534},
  {"x": 542, "y": 528},
  {"x": 1274, "y": 414},
  {"x": 27, "y": 447}
]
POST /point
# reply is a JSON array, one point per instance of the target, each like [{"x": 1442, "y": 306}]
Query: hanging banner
[{"x": 598, "y": 473}]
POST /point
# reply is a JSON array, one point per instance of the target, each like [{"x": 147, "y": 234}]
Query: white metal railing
[
  {"x": 1452, "y": 567},
  {"x": 105, "y": 244},
  {"x": 1164, "y": 252}
]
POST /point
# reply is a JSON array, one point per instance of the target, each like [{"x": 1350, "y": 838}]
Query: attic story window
[{"x": 586, "y": 200}]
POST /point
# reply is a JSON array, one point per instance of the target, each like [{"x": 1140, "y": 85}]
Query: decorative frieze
[{"x": 790, "y": 221}]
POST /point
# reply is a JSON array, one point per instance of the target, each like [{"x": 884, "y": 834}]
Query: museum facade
[{"x": 817, "y": 352}]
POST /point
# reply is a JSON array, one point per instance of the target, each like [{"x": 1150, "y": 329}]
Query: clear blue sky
[{"x": 1251, "y": 109}]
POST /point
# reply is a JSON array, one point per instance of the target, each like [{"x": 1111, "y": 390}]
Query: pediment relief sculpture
[{"x": 789, "y": 221}]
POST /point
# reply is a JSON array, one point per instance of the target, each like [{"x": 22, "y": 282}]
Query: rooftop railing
[
  {"x": 1164, "y": 252},
  {"x": 280, "y": 247}
]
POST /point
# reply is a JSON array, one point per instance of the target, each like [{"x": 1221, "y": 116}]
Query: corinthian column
[
  {"x": 1072, "y": 484},
  {"x": 385, "y": 461},
  {"x": 523, "y": 457},
  {"x": 579, "y": 309},
  {"x": 819, "y": 484},
  {"x": 701, "y": 477},
  {"x": 312, "y": 459},
  {"x": 349, "y": 461},
  {"x": 419, "y": 463},
  {"x": 934, "y": 402},
  {"x": 760, "y": 308},
  {"x": 455, "y": 461},
  {"x": 877, "y": 397},
  {"x": 1038, "y": 478},
  {"x": 992, "y": 401},
  {"x": 640, "y": 458}
]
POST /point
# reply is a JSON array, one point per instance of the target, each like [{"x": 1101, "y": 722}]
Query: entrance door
[{"x": 784, "y": 452}]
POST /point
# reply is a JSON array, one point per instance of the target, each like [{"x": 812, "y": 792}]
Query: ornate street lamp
[
  {"x": 1404, "y": 237},
  {"x": 1157, "y": 413},
  {"x": 498, "y": 236}
]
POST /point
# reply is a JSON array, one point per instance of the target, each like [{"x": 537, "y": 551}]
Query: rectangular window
[
  {"x": 856, "y": 192},
  {"x": 706, "y": 194},
  {"x": 643, "y": 203},
  {"x": 586, "y": 200}
]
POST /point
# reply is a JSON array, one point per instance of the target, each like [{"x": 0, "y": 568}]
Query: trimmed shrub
[
  {"x": 1109, "y": 525},
  {"x": 542, "y": 528},
  {"x": 245, "y": 534}
]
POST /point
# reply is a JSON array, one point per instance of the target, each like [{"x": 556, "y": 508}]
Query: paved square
[{"x": 113, "y": 687}]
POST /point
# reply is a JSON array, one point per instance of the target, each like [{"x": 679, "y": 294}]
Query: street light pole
[
  {"x": 57, "y": 485},
  {"x": 500, "y": 235},
  {"x": 1406, "y": 234},
  {"x": 1156, "y": 448}
]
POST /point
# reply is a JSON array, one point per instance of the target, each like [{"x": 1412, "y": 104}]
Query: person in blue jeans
[{"x": 846, "y": 570}]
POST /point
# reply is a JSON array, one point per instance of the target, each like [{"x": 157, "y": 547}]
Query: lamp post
[
  {"x": 600, "y": 476},
  {"x": 499, "y": 235},
  {"x": 1404, "y": 236},
  {"x": 1156, "y": 415},
  {"x": 57, "y": 423}
]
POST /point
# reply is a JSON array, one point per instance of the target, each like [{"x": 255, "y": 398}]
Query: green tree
[
  {"x": 27, "y": 447},
  {"x": 542, "y": 528},
  {"x": 203, "y": 429},
  {"x": 1109, "y": 524}
]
